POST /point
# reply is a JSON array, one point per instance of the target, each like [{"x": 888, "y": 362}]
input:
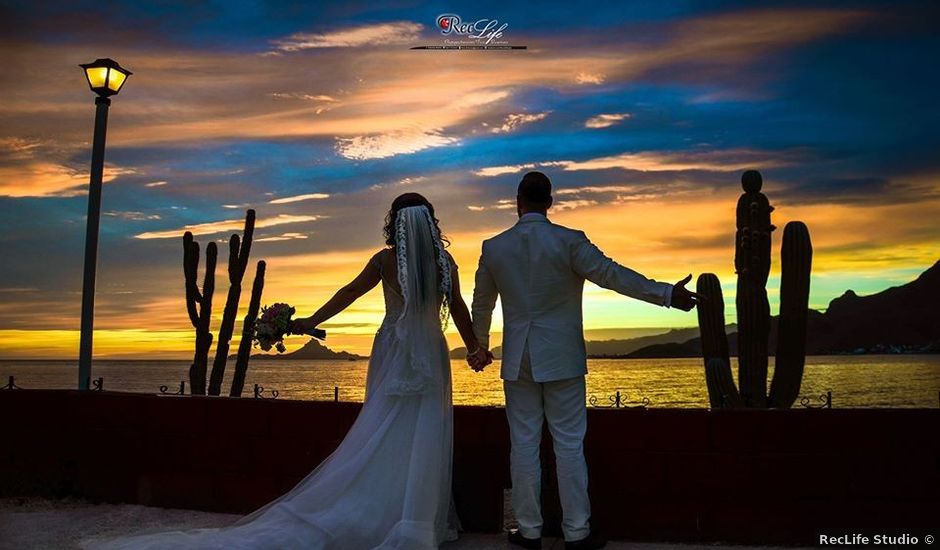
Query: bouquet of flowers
[{"x": 274, "y": 324}]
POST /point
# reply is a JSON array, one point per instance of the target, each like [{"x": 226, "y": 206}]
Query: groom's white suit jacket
[{"x": 538, "y": 270}]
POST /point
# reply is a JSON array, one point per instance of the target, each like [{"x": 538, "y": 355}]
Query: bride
[{"x": 388, "y": 484}]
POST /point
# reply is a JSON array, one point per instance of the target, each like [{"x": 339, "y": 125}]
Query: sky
[{"x": 317, "y": 114}]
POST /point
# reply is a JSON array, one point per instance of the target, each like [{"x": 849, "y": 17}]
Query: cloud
[
  {"x": 324, "y": 102},
  {"x": 397, "y": 32},
  {"x": 589, "y": 78},
  {"x": 716, "y": 160},
  {"x": 514, "y": 121},
  {"x": 409, "y": 180},
  {"x": 480, "y": 98},
  {"x": 400, "y": 142},
  {"x": 492, "y": 171},
  {"x": 298, "y": 198},
  {"x": 605, "y": 120},
  {"x": 282, "y": 237},
  {"x": 305, "y": 97},
  {"x": 712, "y": 160},
  {"x": 224, "y": 226},
  {"x": 14, "y": 148},
  {"x": 46, "y": 179},
  {"x": 596, "y": 189},
  {"x": 561, "y": 206},
  {"x": 155, "y": 184},
  {"x": 133, "y": 216}
]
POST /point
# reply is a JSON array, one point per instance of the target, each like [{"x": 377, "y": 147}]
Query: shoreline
[{"x": 365, "y": 358}]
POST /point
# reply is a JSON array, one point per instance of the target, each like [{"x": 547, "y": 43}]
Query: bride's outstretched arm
[
  {"x": 461, "y": 315},
  {"x": 344, "y": 297}
]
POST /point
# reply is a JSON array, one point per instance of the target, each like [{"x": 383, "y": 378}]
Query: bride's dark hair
[{"x": 404, "y": 201}]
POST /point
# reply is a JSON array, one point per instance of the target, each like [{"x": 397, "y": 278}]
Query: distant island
[
  {"x": 313, "y": 350},
  {"x": 902, "y": 319}
]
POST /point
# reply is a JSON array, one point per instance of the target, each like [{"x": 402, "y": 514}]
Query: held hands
[
  {"x": 479, "y": 359},
  {"x": 683, "y": 298}
]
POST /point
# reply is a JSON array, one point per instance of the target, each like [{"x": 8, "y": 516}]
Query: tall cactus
[
  {"x": 199, "y": 307},
  {"x": 752, "y": 263},
  {"x": 248, "y": 329},
  {"x": 239, "y": 250}
]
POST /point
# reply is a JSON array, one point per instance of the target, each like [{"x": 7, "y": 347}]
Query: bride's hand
[{"x": 300, "y": 326}]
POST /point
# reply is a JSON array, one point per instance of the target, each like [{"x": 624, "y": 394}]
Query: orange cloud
[
  {"x": 298, "y": 198},
  {"x": 224, "y": 226},
  {"x": 46, "y": 179}
]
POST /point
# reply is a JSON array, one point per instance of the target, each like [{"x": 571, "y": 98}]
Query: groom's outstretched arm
[
  {"x": 589, "y": 262},
  {"x": 484, "y": 300}
]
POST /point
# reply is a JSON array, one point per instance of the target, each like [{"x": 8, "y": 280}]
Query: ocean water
[{"x": 855, "y": 381}]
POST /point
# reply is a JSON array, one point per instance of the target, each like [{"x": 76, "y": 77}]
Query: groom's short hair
[{"x": 535, "y": 189}]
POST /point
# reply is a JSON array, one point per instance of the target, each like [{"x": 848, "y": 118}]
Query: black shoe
[
  {"x": 515, "y": 537},
  {"x": 591, "y": 542}
]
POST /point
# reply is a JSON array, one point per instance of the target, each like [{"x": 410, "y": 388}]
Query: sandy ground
[{"x": 41, "y": 524}]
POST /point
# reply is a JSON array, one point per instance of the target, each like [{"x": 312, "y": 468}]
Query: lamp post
[{"x": 105, "y": 78}]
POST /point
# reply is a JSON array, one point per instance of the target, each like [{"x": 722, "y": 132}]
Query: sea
[{"x": 868, "y": 381}]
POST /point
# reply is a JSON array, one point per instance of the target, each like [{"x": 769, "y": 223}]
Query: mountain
[
  {"x": 615, "y": 348},
  {"x": 904, "y": 318},
  {"x": 312, "y": 350},
  {"x": 690, "y": 348},
  {"x": 601, "y": 349}
]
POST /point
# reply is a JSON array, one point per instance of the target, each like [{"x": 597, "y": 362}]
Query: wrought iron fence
[
  {"x": 182, "y": 391},
  {"x": 259, "y": 393},
  {"x": 825, "y": 401},
  {"x": 618, "y": 401}
]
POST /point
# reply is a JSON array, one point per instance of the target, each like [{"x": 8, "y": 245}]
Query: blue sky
[{"x": 643, "y": 114}]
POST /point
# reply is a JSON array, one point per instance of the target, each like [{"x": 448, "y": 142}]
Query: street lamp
[{"x": 105, "y": 78}]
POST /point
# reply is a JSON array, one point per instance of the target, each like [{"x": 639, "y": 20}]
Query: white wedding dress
[{"x": 388, "y": 484}]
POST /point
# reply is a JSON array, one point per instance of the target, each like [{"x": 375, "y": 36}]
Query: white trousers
[{"x": 561, "y": 403}]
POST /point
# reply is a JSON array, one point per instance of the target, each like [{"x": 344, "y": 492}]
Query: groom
[{"x": 539, "y": 269}]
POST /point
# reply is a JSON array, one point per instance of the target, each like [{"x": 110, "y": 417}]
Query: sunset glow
[{"x": 317, "y": 117}]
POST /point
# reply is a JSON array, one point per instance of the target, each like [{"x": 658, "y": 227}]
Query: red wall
[{"x": 656, "y": 474}]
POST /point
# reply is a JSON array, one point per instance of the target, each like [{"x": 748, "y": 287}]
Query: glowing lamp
[{"x": 105, "y": 76}]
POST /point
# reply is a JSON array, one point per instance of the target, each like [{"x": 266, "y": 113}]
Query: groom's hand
[
  {"x": 682, "y": 298},
  {"x": 480, "y": 359}
]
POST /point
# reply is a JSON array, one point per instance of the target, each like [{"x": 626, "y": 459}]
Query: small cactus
[
  {"x": 199, "y": 307},
  {"x": 721, "y": 389},
  {"x": 752, "y": 264},
  {"x": 248, "y": 329}
]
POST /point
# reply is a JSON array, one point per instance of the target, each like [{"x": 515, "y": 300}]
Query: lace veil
[{"x": 424, "y": 276}]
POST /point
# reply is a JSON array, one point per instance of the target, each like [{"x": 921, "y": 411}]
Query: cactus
[
  {"x": 248, "y": 327},
  {"x": 796, "y": 256},
  {"x": 239, "y": 250},
  {"x": 199, "y": 307},
  {"x": 752, "y": 263},
  {"x": 721, "y": 389}
]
